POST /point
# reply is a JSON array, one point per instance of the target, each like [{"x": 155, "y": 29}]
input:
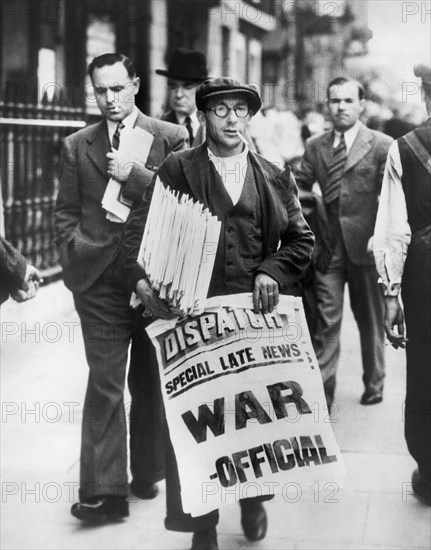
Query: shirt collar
[
  {"x": 181, "y": 119},
  {"x": 129, "y": 122},
  {"x": 236, "y": 158},
  {"x": 349, "y": 135}
]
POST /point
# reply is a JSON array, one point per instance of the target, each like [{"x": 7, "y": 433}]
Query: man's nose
[
  {"x": 110, "y": 96},
  {"x": 232, "y": 116},
  {"x": 179, "y": 91}
]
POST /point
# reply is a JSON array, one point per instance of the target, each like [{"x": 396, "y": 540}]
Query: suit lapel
[
  {"x": 146, "y": 124},
  {"x": 266, "y": 185},
  {"x": 170, "y": 117},
  {"x": 326, "y": 147},
  {"x": 98, "y": 146},
  {"x": 361, "y": 146},
  {"x": 197, "y": 174}
]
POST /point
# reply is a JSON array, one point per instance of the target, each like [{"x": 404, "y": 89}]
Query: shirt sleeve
[{"x": 392, "y": 232}]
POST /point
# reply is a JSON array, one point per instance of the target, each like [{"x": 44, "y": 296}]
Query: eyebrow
[
  {"x": 240, "y": 103},
  {"x": 113, "y": 86}
]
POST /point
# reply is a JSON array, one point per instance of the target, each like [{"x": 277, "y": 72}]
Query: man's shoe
[
  {"x": 101, "y": 509},
  {"x": 205, "y": 539},
  {"x": 254, "y": 520},
  {"x": 371, "y": 398},
  {"x": 145, "y": 493},
  {"x": 420, "y": 488}
]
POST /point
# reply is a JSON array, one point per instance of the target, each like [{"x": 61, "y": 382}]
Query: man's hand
[
  {"x": 265, "y": 293},
  {"x": 394, "y": 317},
  {"x": 119, "y": 165},
  {"x": 151, "y": 301},
  {"x": 30, "y": 286}
]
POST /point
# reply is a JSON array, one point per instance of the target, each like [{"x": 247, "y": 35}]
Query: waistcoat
[
  {"x": 416, "y": 180},
  {"x": 239, "y": 250}
]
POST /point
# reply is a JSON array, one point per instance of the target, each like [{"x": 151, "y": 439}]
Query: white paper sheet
[{"x": 137, "y": 142}]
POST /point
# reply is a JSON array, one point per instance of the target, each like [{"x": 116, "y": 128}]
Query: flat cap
[{"x": 213, "y": 87}]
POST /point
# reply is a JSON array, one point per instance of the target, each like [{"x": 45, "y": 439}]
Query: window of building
[
  {"x": 254, "y": 61},
  {"x": 101, "y": 38},
  {"x": 47, "y": 85},
  {"x": 240, "y": 69},
  {"x": 225, "y": 44}
]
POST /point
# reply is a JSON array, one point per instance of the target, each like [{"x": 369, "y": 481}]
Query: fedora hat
[{"x": 186, "y": 65}]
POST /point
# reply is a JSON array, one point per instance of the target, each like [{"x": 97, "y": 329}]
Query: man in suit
[
  {"x": 186, "y": 70},
  {"x": 348, "y": 164},
  {"x": 90, "y": 242},
  {"x": 264, "y": 247}
]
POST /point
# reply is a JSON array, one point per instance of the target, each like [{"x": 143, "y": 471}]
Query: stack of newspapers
[{"x": 178, "y": 249}]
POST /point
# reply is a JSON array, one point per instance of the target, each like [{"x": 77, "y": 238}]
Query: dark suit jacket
[
  {"x": 199, "y": 138},
  {"x": 12, "y": 269},
  {"x": 88, "y": 242},
  {"x": 360, "y": 186},
  {"x": 287, "y": 239}
]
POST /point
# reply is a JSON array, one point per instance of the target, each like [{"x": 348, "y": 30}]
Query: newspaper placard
[{"x": 244, "y": 402}]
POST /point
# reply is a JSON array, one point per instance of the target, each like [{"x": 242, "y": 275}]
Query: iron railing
[{"x": 30, "y": 143}]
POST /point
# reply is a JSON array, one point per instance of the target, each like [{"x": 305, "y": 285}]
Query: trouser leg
[
  {"x": 416, "y": 294},
  {"x": 106, "y": 327},
  {"x": 147, "y": 417},
  {"x": 330, "y": 295},
  {"x": 176, "y": 519},
  {"x": 367, "y": 304}
]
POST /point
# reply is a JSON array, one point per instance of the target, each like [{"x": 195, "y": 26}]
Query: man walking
[
  {"x": 186, "y": 70},
  {"x": 348, "y": 164},
  {"x": 264, "y": 247},
  {"x": 402, "y": 248},
  {"x": 90, "y": 240}
]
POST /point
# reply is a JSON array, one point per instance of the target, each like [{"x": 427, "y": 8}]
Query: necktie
[
  {"x": 116, "y": 136},
  {"x": 189, "y": 130},
  {"x": 335, "y": 171}
]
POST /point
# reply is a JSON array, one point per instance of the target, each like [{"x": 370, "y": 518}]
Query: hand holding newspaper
[
  {"x": 137, "y": 142},
  {"x": 178, "y": 249}
]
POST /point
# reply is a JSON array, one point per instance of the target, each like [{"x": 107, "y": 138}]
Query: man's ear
[
  {"x": 137, "y": 84},
  {"x": 201, "y": 118}
]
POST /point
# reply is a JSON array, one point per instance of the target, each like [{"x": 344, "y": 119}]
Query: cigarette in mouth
[{"x": 242, "y": 138}]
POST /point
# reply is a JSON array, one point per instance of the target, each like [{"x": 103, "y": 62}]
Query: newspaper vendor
[{"x": 264, "y": 247}]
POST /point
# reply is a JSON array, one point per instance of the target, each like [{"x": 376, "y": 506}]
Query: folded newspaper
[
  {"x": 137, "y": 142},
  {"x": 178, "y": 249}
]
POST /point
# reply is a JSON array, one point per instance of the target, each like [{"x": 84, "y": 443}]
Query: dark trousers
[
  {"x": 367, "y": 304},
  {"x": 416, "y": 294},
  {"x": 147, "y": 415},
  {"x": 108, "y": 325}
]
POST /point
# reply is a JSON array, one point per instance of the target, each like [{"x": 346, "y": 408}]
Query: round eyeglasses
[{"x": 222, "y": 111}]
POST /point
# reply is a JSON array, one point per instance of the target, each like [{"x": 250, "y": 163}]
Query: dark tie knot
[
  {"x": 116, "y": 136},
  {"x": 342, "y": 144}
]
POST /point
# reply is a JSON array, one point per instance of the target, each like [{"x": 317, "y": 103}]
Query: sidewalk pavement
[{"x": 43, "y": 380}]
